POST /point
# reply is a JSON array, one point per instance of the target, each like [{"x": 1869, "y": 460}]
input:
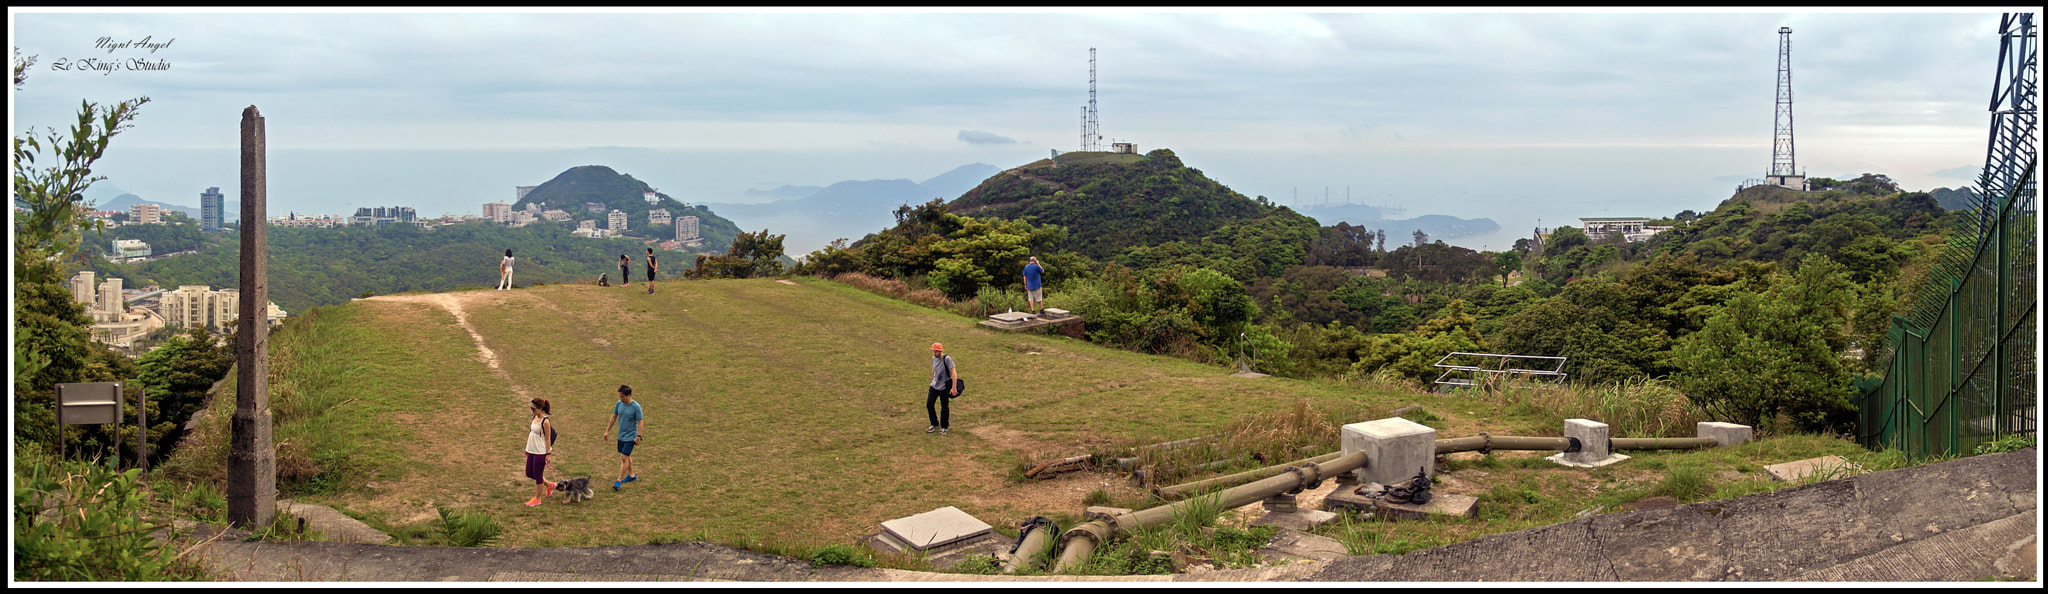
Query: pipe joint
[
  {"x": 1093, "y": 531},
  {"x": 1311, "y": 477},
  {"x": 1485, "y": 444}
]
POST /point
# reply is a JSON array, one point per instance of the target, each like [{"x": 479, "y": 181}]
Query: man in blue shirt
[
  {"x": 1034, "y": 286},
  {"x": 626, "y": 415}
]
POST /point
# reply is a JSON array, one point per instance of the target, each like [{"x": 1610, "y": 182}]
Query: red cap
[{"x": 938, "y": 347}]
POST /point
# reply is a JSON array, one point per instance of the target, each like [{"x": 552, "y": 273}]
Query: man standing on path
[
  {"x": 1034, "y": 286},
  {"x": 650, "y": 271},
  {"x": 945, "y": 384},
  {"x": 627, "y": 416}
]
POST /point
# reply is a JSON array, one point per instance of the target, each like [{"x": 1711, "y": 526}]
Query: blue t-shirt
[
  {"x": 1033, "y": 276},
  {"x": 629, "y": 419}
]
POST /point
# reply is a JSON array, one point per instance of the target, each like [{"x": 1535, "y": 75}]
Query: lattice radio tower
[
  {"x": 1091, "y": 127},
  {"x": 1784, "y": 170},
  {"x": 2015, "y": 116}
]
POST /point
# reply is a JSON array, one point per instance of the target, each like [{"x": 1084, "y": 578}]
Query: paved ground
[{"x": 1962, "y": 520}]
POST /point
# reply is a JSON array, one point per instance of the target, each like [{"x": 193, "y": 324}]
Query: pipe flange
[
  {"x": 1310, "y": 477},
  {"x": 1572, "y": 445},
  {"x": 1080, "y": 531},
  {"x": 1486, "y": 444}
]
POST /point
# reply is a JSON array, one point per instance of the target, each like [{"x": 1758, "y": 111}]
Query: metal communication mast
[
  {"x": 1091, "y": 126},
  {"x": 2015, "y": 117},
  {"x": 1784, "y": 170}
]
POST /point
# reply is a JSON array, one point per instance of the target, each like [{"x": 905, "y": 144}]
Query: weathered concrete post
[{"x": 252, "y": 456}]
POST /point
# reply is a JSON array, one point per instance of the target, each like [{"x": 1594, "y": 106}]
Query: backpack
[
  {"x": 961, "y": 384},
  {"x": 551, "y": 432}
]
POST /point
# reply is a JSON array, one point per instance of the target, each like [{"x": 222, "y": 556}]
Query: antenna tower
[
  {"x": 2015, "y": 116},
  {"x": 1091, "y": 125},
  {"x": 1782, "y": 164}
]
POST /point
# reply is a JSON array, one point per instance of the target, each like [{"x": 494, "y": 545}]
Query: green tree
[
  {"x": 1507, "y": 263},
  {"x": 1776, "y": 352},
  {"x": 51, "y": 340},
  {"x": 752, "y": 254}
]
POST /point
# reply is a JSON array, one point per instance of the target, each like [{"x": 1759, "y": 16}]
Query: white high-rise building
[
  {"x": 686, "y": 228},
  {"x": 498, "y": 212},
  {"x": 111, "y": 306},
  {"x": 616, "y": 221},
  {"x": 658, "y": 216},
  {"x": 145, "y": 213},
  {"x": 82, "y": 288}
]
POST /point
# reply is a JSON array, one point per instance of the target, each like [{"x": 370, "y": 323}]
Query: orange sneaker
[{"x": 533, "y": 502}]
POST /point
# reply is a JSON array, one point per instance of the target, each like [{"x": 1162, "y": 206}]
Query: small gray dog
[{"x": 576, "y": 489}]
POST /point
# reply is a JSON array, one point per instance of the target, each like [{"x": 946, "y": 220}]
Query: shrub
[
  {"x": 2009, "y": 443},
  {"x": 467, "y": 529},
  {"x": 78, "y": 521},
  {"x": 840, "y": 554}
]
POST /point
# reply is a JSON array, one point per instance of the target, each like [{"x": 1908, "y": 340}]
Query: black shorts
[{"x": 650, "y": 274}]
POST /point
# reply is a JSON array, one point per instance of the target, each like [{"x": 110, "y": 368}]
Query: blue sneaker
[
  {"x": 615, "y": 485},
  {"x": 631, "y": 478}
]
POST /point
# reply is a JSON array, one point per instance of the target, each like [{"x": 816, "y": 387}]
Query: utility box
[{"x": 95, "y": 403}]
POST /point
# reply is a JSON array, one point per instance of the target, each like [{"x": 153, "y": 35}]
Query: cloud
[
  {"x": 980, "y": 137},
  {"x": 1967, "y": 173}
]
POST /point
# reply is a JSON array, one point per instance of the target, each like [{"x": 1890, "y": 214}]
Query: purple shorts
[{"x": 535, "y": 464}]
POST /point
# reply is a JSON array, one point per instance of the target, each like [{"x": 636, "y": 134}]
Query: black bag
[{"x": 961, "y": 389}]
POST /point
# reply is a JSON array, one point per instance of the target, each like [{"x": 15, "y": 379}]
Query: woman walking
[
  {"x": 505, "y": 271},
  {"x": 538, "y": 446}
]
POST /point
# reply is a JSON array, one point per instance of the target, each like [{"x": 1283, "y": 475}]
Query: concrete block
[
  {"x": 1296, "y": 520},
  {"x": 1824, "y": 467},
  {"x": 1442, "y": 504},
  {"x": 1394, "y": 448},
  {"x": 1725, "y": 434},
  {"x": 1054, "y": 312},
  {"x": 935, "y": 528},
  {"x": 1011, "y": 317},
  {"x": 1280, "y": 503},
  {"x": 1593, "y": 445}
]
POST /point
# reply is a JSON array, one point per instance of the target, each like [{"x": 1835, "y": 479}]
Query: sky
[{"x": 1529, "y": 118}]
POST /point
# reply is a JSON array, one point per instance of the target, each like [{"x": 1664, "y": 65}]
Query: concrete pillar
[
  {"x": 1593, "y": 445},
  {"x": 1724, "y": 434},
  {"x": 1280, "y": 503},
  {"x": 252, "y": 455},
  {"x": 1394, "y": 449}
]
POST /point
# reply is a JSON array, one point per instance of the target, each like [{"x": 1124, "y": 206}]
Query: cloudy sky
[{"x": 1513, "y": 116}]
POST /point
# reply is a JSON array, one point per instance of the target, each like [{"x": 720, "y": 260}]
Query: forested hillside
[
  {"x": 1763, "y": 311},
  {"x": 310, "y": 267},
  {"x": 571, "y": 189}
]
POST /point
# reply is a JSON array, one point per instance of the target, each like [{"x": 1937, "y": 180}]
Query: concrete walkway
[{"x": 1961, "y": 520}]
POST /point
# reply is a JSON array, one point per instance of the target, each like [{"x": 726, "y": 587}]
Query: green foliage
[
  {"x": 977, "y": 565},
  {"x": 177, "y": 375},
  {"x": 840, "y": 554},
  {"x": 467, "y": 528},
  {"x": 1775, "y": 352},
  {"x": 2008, "y": 443},
  {"x": 752, "y": 254},
  {"x": 85, "y": 522},
  {"x": 1684, "y": 482}
]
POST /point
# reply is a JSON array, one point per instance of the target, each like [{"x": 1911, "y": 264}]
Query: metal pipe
[
  {"x": 1176, "y": 491},
  {"x": 1082, "y": 540},
  {"x": 1501, "y": 442},
  {"x": 1030, "y": 548},
  {"x": 1660, "y": 443}
]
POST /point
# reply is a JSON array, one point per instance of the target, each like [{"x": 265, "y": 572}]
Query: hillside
[
  {"x": 1867, "y": 228},
  {"x": 1110, "y": 202},
  {"x": 790, "y": 412},
  {"x": 572, "y": 189}
]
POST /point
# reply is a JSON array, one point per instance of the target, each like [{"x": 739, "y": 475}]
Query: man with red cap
[{"x": 945, "y": 384}]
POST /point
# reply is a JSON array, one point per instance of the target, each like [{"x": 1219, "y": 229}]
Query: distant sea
[{"x": 1518, "y": 188}]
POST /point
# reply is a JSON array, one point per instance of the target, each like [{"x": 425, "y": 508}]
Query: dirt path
[{"x": 453, "y": 303}]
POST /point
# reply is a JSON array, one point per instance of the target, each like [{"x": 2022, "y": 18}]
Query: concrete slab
[
  {"x": 1294, "y": 545},
  {"x": 1012, "y": 317},
  {"x": 332, "y": 524},
  {"x": 1822, "y": 468},
  {"x": 1568, "y": 460},
  {"x": 1054, "y": 312},
  {"x": 935, "y": 528},
  {"x": 1303, "y": 519},
  {"x": 1348, "y": 500},
  {"x": 1440, "y": 504}
]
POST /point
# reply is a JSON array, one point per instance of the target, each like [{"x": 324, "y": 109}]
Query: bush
[
  {"x": 2009, "y": 443},
  {"x": 78, "y": 521},
  {"x": 467, "y": 529},
  {"x": 840, "y": 555}
]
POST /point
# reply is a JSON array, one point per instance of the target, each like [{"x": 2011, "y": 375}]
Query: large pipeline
[
  {"x": 1030, "y": 546},
  {"x": 1081, "y": 541},
  {"x": 1176, "y": 491}
]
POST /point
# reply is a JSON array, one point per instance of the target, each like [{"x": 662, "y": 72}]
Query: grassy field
[{"x": 788, "y": 414}]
